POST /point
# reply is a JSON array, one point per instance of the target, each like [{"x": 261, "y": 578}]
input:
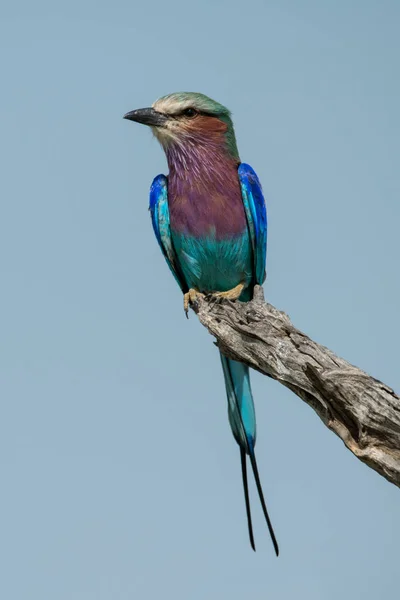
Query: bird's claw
[
  {"x": 190, "y": 297},
  {"x": 220, "y": 297},
  {"x": 232, "y": 294},
  {"x": 213, "y": 298}
]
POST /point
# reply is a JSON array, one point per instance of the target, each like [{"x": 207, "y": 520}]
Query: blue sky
[{"x": 120, "y": 477}]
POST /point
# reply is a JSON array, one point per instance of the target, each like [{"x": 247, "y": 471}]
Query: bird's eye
[{"x": 190, "y": 112}]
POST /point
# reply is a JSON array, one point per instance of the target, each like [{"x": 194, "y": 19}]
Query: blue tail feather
[
  {"x": 242, "y": 420},
  {"x": 241, "y": 412}
]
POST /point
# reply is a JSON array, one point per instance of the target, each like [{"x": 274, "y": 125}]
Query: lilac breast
[{"x": 203, "y": 206}]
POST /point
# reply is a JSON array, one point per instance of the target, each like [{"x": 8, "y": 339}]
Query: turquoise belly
[{"x": 211, "y": 265}]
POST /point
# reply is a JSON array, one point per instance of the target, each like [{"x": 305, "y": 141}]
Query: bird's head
[{"x": 185, "y": 119}]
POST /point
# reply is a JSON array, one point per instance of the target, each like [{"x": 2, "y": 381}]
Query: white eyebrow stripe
[
  {"x": 175, "y": 104},
  {"x": 171, "y": 106}
]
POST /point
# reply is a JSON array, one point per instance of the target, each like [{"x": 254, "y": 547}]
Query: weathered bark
[{"x": 362, "y": 411}]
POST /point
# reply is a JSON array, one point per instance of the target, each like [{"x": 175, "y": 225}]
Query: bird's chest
[
  {"x": 211, "y": 239},
  {"x": 200, "y": 209}
]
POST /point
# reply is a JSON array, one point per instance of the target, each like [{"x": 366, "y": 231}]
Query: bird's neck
[{"x": 201, "y": 161}]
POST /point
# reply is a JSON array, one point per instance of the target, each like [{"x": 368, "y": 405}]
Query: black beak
[{"x": 147, "y": 116}]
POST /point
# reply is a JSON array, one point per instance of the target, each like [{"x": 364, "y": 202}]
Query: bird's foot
[
  {"x": 232, "y": 294},
  {"x": 193, "y": 295},
  {"x": 219, "y": 297},
  {"x": 190, "y": 298}
]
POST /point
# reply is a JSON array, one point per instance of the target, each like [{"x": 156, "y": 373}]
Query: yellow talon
[
  {"x": 186, "y": 303},
  {"x": 232, "y": 294},
  {"x": 190, "y": 298}
]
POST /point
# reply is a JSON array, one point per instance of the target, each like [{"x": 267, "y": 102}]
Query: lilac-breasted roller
[{"x": 210, "y": 221}]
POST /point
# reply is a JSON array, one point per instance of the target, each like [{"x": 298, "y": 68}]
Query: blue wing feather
[
  {"x": 256, "y": 214},
  {"x": 159, "y": 211}
]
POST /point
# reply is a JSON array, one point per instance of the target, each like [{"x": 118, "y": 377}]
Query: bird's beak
[{"x": 147, "y": 116}]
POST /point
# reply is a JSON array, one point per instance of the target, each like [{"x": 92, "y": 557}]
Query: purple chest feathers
[{"x": 207, "y": 204}]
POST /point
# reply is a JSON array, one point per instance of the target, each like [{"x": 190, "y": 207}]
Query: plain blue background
[{"x": 119, "y": 475}]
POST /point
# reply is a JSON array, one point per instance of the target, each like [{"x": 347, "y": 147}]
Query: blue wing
[
  {"x": 160, "y": 218},
  {"x": 256, "y": 214}
]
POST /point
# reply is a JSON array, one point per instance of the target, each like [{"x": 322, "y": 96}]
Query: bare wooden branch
[{"x": 362, "y": 411}]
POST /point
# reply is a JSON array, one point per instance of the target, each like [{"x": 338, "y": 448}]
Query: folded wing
[
  {"x": 160, "y": 219},
  {"x": 256, "y": 215}
]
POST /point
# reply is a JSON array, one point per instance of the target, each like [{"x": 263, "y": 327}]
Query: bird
[{"x": 210, "y": 221}]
